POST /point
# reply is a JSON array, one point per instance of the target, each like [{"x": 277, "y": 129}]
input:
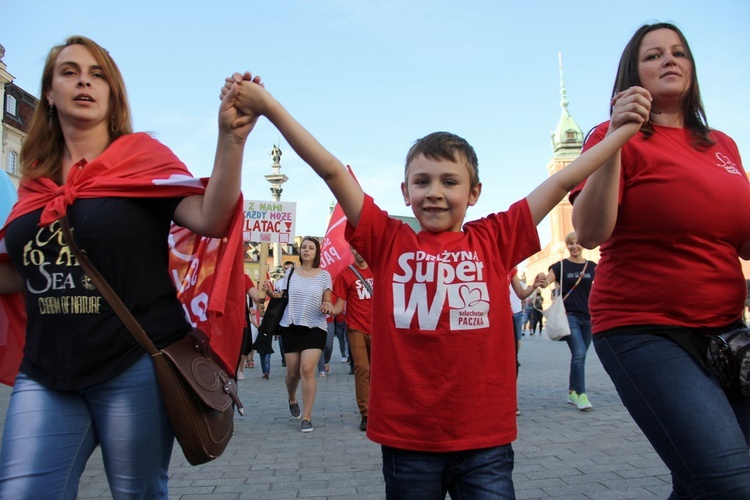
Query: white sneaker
[
  {"x": 240, "y": 375},
  {"x": 344, "y": 359}
]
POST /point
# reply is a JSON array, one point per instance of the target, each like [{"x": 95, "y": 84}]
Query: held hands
[
  {"x": 251, "y": 99},
  {"x": 231, "y": 120},
  {"x": 631, "y": 107},
  {"x": 326, "y": 308},
  {"x": 540, "y": 281}
]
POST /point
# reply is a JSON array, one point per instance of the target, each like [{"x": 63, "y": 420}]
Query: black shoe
[
  {"x": 294, "y": 410},
  {"x": 363, "y": 424}
]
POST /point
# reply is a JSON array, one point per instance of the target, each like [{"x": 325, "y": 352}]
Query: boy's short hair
[{"x": 445, "y": 146}]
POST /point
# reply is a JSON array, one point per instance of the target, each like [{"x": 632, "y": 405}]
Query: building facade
[{"x": 18, "y": 108}]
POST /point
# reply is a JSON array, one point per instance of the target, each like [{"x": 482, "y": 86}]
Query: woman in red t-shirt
[{"x": 670, "y": 213}]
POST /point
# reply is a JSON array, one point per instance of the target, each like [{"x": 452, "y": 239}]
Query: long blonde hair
[{"x": 42, "y": 151}]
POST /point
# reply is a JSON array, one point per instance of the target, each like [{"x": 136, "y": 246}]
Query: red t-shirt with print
[
  {"x": 672, "y": 258},
  {"x": 358, "y": 300},
  {"x": 443, "y": 369}
]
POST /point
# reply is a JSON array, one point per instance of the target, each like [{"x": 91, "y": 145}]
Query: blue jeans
[
  {"x": 701, "y": 433},
  {"x": 49, "y": 436},
  {"x": 472, "y": 474},
  {"x": 265, "y": 363},
  {"x": 338, "y": 330},
  {"x": 518, "y": 324},
  {"x": 578, "y": 341}
]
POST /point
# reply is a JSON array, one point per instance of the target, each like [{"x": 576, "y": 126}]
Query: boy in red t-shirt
[{"x": 442, "y": 386}]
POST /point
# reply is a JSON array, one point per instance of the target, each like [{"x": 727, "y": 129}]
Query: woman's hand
[
  {"x": 326, "y": 308},
  {"x": 232, "y": 121},
  {"x": 251, "y": 99},
  {"x": 540, "y": 281},
  {"x": 630, "y": 106},
  {"x": 210, "y": 214}
]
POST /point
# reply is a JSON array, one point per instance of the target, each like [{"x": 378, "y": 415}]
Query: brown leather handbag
[{"x": 198, "y": 394}]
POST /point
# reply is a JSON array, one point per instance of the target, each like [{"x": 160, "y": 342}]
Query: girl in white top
[{"x": 303, "y": 326}]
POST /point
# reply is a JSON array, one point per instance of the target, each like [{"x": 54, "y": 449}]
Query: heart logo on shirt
[{"x": 470, "y": 296}]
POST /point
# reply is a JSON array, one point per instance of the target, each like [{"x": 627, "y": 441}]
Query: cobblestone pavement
[{"x": 560, "y": 453}]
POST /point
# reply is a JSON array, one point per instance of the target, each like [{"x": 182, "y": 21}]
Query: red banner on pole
[{"x": 334, "y": 254}]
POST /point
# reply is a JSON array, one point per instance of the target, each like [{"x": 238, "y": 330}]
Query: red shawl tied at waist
[{"x": 208, "y": 272}]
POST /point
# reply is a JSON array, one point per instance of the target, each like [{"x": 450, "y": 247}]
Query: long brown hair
[
  {"x": 42, "y": 151},
  {"x": 693, "y": 113}
]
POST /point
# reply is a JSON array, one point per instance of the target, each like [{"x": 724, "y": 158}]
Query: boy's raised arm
[
  {"x": 253, "y": 100},
  {"x": 549, "y": 193},
  {"x": 597, "y": 205}
]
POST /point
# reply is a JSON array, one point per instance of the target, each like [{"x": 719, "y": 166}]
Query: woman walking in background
[
  {"x": 575, "y": 275},
  {"x": 303, "y": 326}
]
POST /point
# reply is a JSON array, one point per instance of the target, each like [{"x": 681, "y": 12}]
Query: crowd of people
[{"x": 646, "y": 184}]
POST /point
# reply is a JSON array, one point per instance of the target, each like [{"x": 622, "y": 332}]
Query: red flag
[
  {"x": 334, "y": 253},
  {"x": 209, "y": 277}
]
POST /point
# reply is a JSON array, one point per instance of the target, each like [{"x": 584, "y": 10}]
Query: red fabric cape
[{"x": 209, "y": 270}]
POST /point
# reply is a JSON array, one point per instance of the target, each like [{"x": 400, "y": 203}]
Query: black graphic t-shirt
[
  {"x": 578, "y": 301},
  {"x": 73, "y": 338}
]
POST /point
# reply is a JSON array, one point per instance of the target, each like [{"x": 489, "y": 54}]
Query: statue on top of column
[{"x": 276, "y": 154}]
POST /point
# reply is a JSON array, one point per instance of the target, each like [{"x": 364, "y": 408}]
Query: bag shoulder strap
[
  {"x": 285, "y": 293},
  {"x": 580, "y": 277},
  {"x": 361, "y": 279},
  {"x": 106, "y": 290}
]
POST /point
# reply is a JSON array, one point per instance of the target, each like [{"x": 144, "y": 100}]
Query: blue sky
[{"x": 369, "y": 77}]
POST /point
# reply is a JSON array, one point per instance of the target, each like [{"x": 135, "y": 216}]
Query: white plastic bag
[{"x": 556, "y": 325}]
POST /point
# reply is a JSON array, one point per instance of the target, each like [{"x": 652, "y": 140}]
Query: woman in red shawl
[{"x": 83, "y": 379}]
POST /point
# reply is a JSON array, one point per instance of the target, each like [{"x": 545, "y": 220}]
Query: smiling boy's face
[{"x": 439, "y": 192}]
